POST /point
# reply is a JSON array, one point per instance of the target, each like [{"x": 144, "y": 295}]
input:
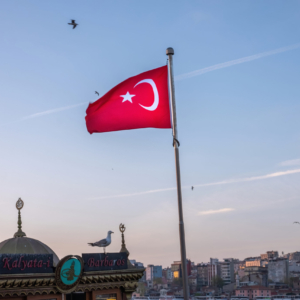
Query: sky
[{"x": 236, "y": 67}]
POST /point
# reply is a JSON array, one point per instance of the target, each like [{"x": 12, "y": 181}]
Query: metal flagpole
[{"x": 170, "y": 53}]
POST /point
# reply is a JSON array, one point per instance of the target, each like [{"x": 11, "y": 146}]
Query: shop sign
[
  {"x": 104, "y": 261},
  {"x": 26, "y": 263},
  {"x": 68, "y": 273}
]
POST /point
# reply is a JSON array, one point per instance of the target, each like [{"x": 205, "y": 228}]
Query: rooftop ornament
[
  {"x": 123, "y": 248},
  {"x": 19, "y": 206}
]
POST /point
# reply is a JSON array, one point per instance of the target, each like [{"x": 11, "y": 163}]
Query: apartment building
[
  {"x": 227, "y": 270},
  {"x": 202, "y": 274},
  {"x": 278, "y": 270},
  {"x": 213, "y": 270},
  {"x": 153, "y": 272}
]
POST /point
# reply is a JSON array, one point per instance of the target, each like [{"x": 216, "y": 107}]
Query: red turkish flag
[{"x": 138, "y": 102}]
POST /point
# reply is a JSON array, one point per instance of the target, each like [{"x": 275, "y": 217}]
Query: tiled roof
[{"x": 253, "y": 287}]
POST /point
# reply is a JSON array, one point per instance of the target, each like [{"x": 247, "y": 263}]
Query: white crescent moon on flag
[{"x": 155, "y": 91}]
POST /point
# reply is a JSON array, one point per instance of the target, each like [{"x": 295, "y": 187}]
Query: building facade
[
  {"x": 213, "y": 270},
  {"x": 255, "y": 274},
  {"x": 137, "y": 264},
  {"x": 153, "y": 272},
  {"x": 278, "y": 270},
  {"x": 192, "y": 280},
  {"x": 202, "y": 274},
  {"x": 170, "y": 275},
  {"x": 253, "y": 291},
  {"x": 253, "y": 263},
  {"x": 269, "y": 255},
  {"x": 295, "y": 256},
  {"x": 237, "y": 265},
  {"x": 177, "y": 271},
  {"x": 227, "y": 270}
]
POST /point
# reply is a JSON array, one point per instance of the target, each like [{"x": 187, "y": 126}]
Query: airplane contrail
[
  {"x": 46, "y": 112},
  {"x": 51, "y": 111},
  {"x": 235, "y": 62},
  {"x": 229, "y": 181},
  {"x": 276, "y": 174},
  {"x": 179, "y": 77}
]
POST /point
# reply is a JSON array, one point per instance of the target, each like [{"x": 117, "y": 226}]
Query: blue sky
[{"x": 237, "y": 124}]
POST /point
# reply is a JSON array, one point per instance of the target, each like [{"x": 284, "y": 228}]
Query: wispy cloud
[
  {"x": 288, "y": 163},
  {"x": 235, "y": 62},
  {"x": 217, "y": 211},
  {"x": 229, "y": 181}
]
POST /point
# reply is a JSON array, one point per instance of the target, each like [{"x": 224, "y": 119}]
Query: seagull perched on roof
[
  {"x": 103, "y": 243},
  {"x": 73, "y": 23}
]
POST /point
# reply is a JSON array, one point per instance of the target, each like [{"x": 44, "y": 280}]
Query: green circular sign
[{"x": 70, "y": 271}]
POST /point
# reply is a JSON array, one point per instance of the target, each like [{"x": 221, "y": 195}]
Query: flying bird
[
  {"x": 96, "y": 93},
  {"x": 192, "y": 187},
  {"x": 103, "y": 243},
  {"x": 296, "y": 222},
  {"x": 73, "y": 23}
]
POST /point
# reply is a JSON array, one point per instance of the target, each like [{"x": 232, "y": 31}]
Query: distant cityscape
[{"x": 270, "y": 275}]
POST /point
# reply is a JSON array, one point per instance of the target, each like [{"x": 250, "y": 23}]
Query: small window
[{"x": 106, "y": 297}]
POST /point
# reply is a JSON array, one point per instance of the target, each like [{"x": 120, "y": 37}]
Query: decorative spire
[
  {"x": 123, "y": 248},
  {"x": 19, "y": 206}
]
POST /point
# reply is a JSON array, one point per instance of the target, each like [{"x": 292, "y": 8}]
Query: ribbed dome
[{"x": 25, "y": 245}]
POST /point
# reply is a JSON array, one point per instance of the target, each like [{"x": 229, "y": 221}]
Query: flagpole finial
[{"x": 170, "y": 51}]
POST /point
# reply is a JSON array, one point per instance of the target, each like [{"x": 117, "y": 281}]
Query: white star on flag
[{"x": 127, "y": 97}]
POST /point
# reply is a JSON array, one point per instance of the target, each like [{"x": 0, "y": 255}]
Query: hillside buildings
[{"x": 266, "y": 275}]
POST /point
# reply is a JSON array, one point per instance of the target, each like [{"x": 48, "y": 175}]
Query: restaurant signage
[
  {"x": 69, "y": 273},
  {"x": 26, "y": 263},
  {"x": 104, "y": 261}
]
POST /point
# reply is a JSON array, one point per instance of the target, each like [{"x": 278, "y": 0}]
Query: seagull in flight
[
  {"x": 73, "y": 23},
  {"x": 103, "y": 243},
  {"x": 296, "y": 222},
  {"x": 192, "y": 187},
  {"x": 96, "y": 93}
]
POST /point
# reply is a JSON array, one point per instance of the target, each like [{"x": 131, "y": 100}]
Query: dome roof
[
  {"x": 25, "y": 245},
  {"x": 20, "y": 244}
]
